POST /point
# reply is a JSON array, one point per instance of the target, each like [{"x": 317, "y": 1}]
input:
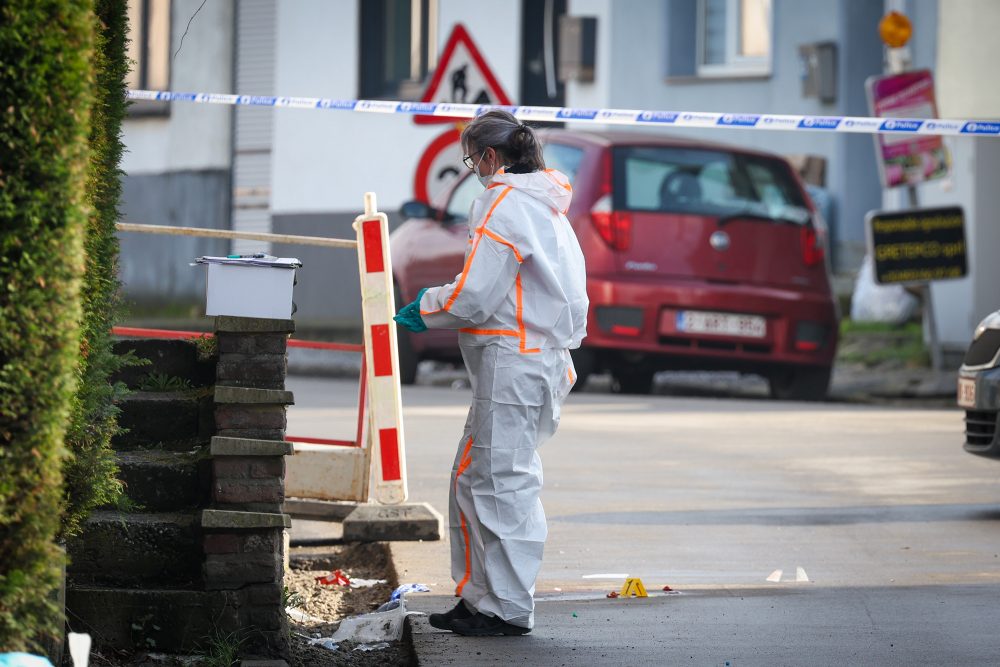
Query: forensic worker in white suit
[{"x": 520, "y": 305}]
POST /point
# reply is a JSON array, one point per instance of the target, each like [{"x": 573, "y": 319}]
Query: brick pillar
[{"x": 244, "y": 531}]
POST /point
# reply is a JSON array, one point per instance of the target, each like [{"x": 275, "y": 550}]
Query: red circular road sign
[{"x": 439, "y": 166}]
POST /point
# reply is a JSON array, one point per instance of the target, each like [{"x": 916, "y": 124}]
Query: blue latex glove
[{"x": 408, "y": 316}]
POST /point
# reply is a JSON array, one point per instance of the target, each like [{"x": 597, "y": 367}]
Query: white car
[{"x": 979, "y": 389}]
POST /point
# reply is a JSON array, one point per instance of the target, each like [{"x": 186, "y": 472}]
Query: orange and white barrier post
[{"x": 385, "y": 407}]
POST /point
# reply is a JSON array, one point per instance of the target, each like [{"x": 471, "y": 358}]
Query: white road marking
[
  {"x": 800, "y": 574},
  {"x": 775, "y": 576}
]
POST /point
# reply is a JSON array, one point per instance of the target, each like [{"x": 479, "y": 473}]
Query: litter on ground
[{"x": 335, "y": 578}]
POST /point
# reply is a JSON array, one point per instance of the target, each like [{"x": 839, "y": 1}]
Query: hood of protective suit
[{"x": 550, "y": 187}]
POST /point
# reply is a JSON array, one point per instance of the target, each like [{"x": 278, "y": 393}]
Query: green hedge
[
  {"x": 45, "y": 86},
  {"x": 91, "y": 472}
]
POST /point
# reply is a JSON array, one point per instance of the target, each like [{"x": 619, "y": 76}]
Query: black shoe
[
  {"x": 444, "y": 621},
  {"x": 481, "y": 625}
]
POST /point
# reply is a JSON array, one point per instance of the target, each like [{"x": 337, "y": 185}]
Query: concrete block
[
  {"x": 248, "y": 491},
  {"x": 264, "y": 542},
  {"x": 329, "y": 510},
  {"x": 227, "y": 571},
  {"x": 260, "y": 371},
  {"x": 235, "y": 520},
  {"x": 227, "y": 324},
  {"x": 249, "y": 467},
  {"x": 264, "y": 594},
  {"x": 227, "y": 543},
  {"x": 387, "y": 523},
  {"x": 223, "y": 446},
  {"x": 253, "y": 433},
  {"x": 239, "y": 416},
  {"x": 263, "y": 343},
  {"x": 327, "y": 473},
  {"x": 252, "y": 395},
  {"x": 266, "y": 618}
]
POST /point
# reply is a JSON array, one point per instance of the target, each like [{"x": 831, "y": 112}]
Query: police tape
[{"x": 640, "y": 117}]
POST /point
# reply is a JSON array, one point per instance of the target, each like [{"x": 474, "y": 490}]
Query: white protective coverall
[{"x": 520, "y": 304}]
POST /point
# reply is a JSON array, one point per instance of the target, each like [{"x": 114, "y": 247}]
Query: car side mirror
[{"x": 417, "y": 209}]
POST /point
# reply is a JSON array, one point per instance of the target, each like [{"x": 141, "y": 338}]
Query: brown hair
[{"x": 516, "y": 143}]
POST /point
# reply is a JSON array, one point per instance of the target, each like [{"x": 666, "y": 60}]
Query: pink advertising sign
[{"x": 905, "y": 158}]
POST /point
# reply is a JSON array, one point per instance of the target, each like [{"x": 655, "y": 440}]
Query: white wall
[
  {"x": 968, "y": 51},
  {"x": 967, "y": 55},
  {"x": 324, "y": 161},
  {"x": 596, "y": 94},
  {"x": 193, "y": 136}
]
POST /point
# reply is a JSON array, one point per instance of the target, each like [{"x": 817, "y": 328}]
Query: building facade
[{"x": 306, "y": 171}]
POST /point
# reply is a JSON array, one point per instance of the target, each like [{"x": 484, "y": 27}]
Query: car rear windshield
[{"x": 705, "y": 182}]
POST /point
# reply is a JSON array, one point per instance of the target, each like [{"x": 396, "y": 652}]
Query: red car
[{"x": 699, "y": 256}]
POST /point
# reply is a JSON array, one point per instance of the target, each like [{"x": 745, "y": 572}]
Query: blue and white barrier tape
[{"x": 639, "y": 117}]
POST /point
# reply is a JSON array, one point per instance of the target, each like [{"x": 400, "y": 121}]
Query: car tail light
[
  {"x": 810, "y": 336},
  {"x": 615, "y": 227},
  {"x": 812, "y": 246}
]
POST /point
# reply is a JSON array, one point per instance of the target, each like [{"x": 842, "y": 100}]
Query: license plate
[
  {"x": 966, "y": 392},
  {"x": 722, "y": 324}
]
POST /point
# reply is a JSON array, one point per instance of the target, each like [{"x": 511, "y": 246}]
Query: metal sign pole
[{"x": 928, "y": 303}]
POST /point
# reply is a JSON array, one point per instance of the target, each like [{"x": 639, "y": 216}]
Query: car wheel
[
  {"x": 408, "y": 358},
  {"x": 585, "y": 362},
  {"x": 800, "y": 384},
  {"x": 633, "y": 380}
]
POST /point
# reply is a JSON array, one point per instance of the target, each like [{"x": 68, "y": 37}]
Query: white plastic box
[{"x": 249, "y": 291}]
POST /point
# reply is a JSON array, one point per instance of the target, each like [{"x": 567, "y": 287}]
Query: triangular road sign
[{"x": 461, "y": 77}]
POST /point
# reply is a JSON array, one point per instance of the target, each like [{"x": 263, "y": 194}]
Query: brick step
[
  {"x": 165, "y": 420},
  {"x": 173, "y": 358},
  {"x": 133, "y": 550},
  {"x": 163, "y": 481},
  {"x": 177, "y": 621}
]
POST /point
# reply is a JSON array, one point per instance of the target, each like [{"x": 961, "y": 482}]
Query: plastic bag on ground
[
  {"x": 325, "y": 642},
  {"x": 409, "y": 588},
  {"x": 366, "y": 583},
  {"x": 372, "y": 647},
  {"x": 379, "y": 626},
  {"x": 872, "y": 302}
]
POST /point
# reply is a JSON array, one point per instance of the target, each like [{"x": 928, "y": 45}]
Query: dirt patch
[{"x": 321, "y": 607}]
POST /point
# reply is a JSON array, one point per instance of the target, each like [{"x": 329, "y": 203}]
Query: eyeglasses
[{"x": 467, "y": 160}]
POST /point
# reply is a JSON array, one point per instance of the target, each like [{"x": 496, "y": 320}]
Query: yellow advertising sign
[{"x": 918, "y": 245}]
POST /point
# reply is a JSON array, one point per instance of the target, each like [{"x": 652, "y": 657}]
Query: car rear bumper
[
  {"x": 982, "y": 435},
  {"x": 787, "y": 314}
]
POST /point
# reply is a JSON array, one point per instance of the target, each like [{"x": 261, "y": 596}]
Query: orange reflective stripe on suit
[
  {"x": 464, "y": 463},
  {"x": 468, "y": 263}
]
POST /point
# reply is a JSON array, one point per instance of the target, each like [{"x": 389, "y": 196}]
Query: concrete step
[
  {"x": 180, "y": 621},
  {"x": 137, "y": 550},
  {"x": 173, "y": 358},
  {"x": 165, "y": 420},
  {"x": 157, "y": 620},
  {"x": 164, "y": 481}
]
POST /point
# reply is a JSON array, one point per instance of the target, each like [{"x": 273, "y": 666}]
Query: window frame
[
  {"x": 422, "y": 57},
  {"x": 139, "y": 35},
  {"x": 735, "y": 65}
]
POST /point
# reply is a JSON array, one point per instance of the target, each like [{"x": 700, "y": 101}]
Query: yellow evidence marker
[{"x": 633, "y": 588}]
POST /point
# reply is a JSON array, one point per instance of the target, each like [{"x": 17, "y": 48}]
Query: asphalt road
[{"x": 886, "y": 534}]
